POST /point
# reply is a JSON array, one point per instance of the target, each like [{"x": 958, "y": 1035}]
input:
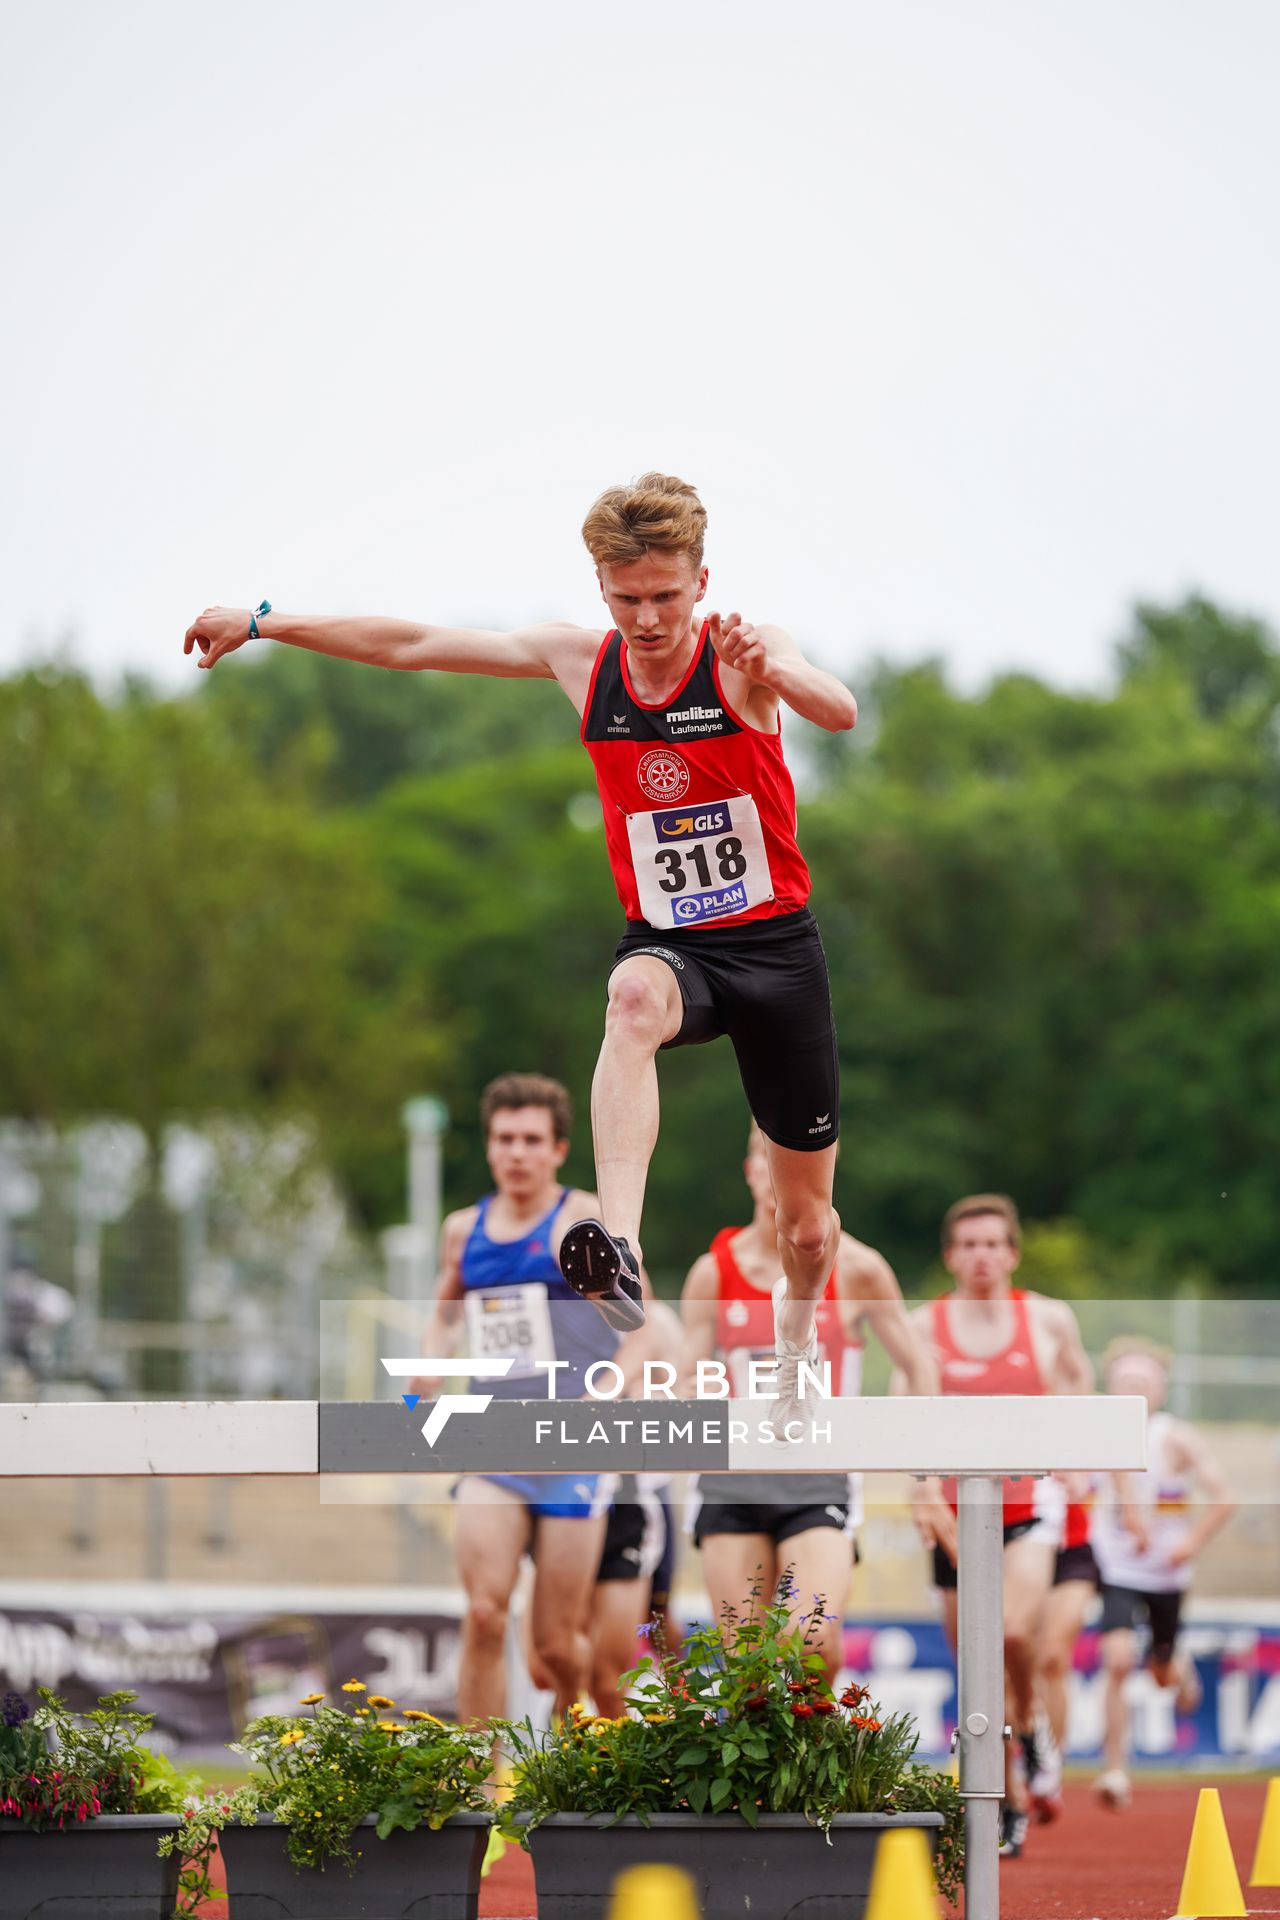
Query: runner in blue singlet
[{"x": 501, "y": 1287}]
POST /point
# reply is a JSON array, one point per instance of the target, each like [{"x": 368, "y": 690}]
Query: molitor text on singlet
[{"x": 685, "y": 720}]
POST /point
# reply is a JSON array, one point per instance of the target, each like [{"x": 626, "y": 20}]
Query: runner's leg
[
  {"x": 741, "y": 1572},
  {"x": 493, "y": 1531},
  {"x": 1118, "y": 1652},
  {"x": 565, "y": 1557},
  {"x": 1028, "y": 1577},
  {"x": 645, "y": 1009},
  {"x": 821, "y": 1562},
  {"x": 808, "y": 1232},
  {"x": 1064, "y": 1616},
  {"x": 618, "y": 1610}
]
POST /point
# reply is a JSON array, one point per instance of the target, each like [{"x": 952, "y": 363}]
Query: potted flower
[
  {"x": 738, "y": 1765},
  {"x": 82, "y": 1801},
  {"x": 349, "y": 1809}
]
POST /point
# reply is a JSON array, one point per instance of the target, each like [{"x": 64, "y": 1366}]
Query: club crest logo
[{"x": 663, "y": 775}]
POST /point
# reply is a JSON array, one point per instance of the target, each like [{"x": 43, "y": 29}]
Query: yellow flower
[
  {"x": 416, "y": 1713},
  {"x": 380, "y": 1700},
  {"x": 310, "y": 1699},
  {"x": 353, "y": 1686},
  {"x": 291, "y": 1738}
]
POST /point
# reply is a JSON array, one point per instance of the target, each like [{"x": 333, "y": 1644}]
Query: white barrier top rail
[{"x": 962, "y": 1435}]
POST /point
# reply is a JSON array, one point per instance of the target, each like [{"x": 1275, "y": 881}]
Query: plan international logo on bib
[{"x": 692, "y": 907}]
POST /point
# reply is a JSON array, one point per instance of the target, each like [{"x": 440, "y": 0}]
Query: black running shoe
[
  {"x": 1013, "y": 1832},
  {"x": 604, "y": 1271}
]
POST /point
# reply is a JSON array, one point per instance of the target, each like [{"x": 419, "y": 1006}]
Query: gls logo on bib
[{"x": 681, "y": 825}]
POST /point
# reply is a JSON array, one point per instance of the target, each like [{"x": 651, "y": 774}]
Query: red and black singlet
[
  {"x": 699, "y": 808},
  {"x": 1014, "y": 1369}
]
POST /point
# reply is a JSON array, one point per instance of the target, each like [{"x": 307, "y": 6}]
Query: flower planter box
[
  {"x": 106, "y": 1868},
  {"x": 408, "y": 1876},
  {"x": 784, "y": 1870}
]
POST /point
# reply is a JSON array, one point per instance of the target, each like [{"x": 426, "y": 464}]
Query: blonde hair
[
  {"x": 973, "y": 1207},
  {"x": 657, "y": 511}
]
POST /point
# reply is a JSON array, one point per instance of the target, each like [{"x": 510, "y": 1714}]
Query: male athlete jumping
[{"x": 681, "y": 717}]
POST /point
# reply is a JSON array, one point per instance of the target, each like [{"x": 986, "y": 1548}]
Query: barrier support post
[{"x": 980, "y": 1660}]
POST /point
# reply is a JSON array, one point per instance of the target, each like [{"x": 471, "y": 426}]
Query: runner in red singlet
[
  {"x": 990, "y": 1338},
  {"x": 682, "y": 719},
  {"x": 746, "y": 1535}
]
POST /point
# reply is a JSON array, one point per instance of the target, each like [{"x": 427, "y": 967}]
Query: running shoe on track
[
  {"x": 1112, "y": 1788},
  {"x": 789, "y": 1403},
  {"x": 1014, "y": 1826},
  {"x": 604, "y": 1271},
  {"x": 1044, "y": 1770}
]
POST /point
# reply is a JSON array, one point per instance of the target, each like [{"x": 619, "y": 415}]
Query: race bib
[
  {"x": 511, "y": 1323},
  {"x": 698, "y": 864}
]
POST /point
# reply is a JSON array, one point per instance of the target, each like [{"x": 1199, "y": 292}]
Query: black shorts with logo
[
  {"x": 748, "y": 1503},
  {"x": 639, "y": 1539},
  {"x": 766, "y": 986}
]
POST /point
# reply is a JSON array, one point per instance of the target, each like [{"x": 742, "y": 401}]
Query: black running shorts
[
  {"x": 1076, "y": 1563},
  {"x": 639, "y": 1541},
  {"x": 766, "y": 986},
  {"x": 945, "y": 1575},
  {"x": 1131, "y": 1607}
]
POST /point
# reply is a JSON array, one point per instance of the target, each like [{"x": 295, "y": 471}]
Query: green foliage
[
  {"x": 740, "y": 1720},
  {"x": 1052, "y": 922},
  {"x": 59, "y": 1768},
  {"x": 361, "y": 730}
]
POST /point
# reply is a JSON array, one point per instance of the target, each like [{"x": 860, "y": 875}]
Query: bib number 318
[{"x": 699, "y": 863}]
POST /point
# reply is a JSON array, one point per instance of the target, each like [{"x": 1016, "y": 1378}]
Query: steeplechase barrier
[{"x": 978, "y": 1441}]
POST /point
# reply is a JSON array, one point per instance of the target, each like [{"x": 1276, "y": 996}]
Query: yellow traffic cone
[
  {"x": 1210, "y": 1884},
  {"x": 653, "y": 1893},
  {"x": 902, "y": 1878},
  {"x": 1266, "y": 1861}
]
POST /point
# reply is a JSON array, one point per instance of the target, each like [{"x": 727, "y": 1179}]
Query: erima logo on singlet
[{"x": 684, "y": 823}]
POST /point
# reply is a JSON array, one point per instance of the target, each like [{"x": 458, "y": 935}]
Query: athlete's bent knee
[
  {"x": 637, "y": 1007},
  {"x": 1054, "y": 1663},
  {"x": 486, "y": 1623},
  {"x": 1018, "y": 1647},
  {"x": 561, "y": 1655},
  {"x": 810, "y": 1230},
  {"x": 1117, "y": 1656}
]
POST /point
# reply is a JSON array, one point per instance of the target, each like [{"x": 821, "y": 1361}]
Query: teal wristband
[{"x": 264, "y": 606}]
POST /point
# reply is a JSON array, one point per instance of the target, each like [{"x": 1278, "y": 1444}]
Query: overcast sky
[{"x": 962, "y": 316}]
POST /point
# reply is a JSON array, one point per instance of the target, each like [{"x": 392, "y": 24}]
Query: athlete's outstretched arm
[{"x": 530, "y": 653}]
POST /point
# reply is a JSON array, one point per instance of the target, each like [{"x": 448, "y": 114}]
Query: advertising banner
[
  {"x": 908, "y": 1666},
  {"x": 204, "y": 1669}
]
